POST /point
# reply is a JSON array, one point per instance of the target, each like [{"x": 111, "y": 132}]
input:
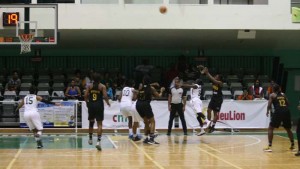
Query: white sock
[
  {"x": 206, "y": 120},
  {"x": 138, "y": 131},
  {"x": 130, "y": 131},
  {"x": 202, "y": 129}
]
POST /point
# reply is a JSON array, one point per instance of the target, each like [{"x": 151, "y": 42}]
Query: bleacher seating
[
  {"x": 25, "y": 86},
  {"x": 44, "y": 94},
  {"x": 235, "y": 86},
  {"x": 43, "y": 79},
  {"x": 22, "y": 94},
  {"x": 58, "y": 95},
  {"x": 43, "y": 86},
  {"x": 58, "y": 86},
  {"x": 208, "y": 94},
  {"x": 9, "y": 95},
  {"x": 27, "y": 79},
  {"x": 227, "y": 94},
  {"x": 233, "y": 79},
  {"x": 237, "y": 93}
]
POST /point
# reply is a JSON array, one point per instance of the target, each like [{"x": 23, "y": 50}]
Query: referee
[{"x": 176, "y": 104}]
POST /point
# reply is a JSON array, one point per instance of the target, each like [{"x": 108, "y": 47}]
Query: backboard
[{"x": 41, "y": 20}]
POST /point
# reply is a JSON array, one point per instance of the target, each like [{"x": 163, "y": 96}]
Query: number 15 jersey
[{"x": 30, "y": 103}]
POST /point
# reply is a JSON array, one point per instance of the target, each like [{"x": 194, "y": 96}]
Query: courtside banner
[
  {"x": 233, "y": 114},
  {"x": 113, "y": 118},
  {"x": 53, "y": 116}
]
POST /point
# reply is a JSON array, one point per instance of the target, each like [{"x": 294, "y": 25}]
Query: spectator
[
  {"x": 88, "y": 80},
  {"x": 245, "y": 95},
  {"x": 109, "y": 91},
  {"x": 14, "y": 83},
  {"x": 107, "y": 78},
  {"x": 73, "y": 91},
  {"x": 256, "y": 90}
]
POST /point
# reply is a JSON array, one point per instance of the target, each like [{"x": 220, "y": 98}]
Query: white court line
[
  {"x": 219, "y": 158},
  {"x": 115, "y": 146},
  {"x": 247, "y": 145},
  {"x": 11, "y": 163},
  {"x": 151, "y": 159},
  {"x": 14, "y": 159}
]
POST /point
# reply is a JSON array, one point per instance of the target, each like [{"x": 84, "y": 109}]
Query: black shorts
[
  {"x": 144, "y": 109},
  {"x": 281, "y": 117},
  {"x": 96, "y": 111},
  {"x": 215, "y": 104}
]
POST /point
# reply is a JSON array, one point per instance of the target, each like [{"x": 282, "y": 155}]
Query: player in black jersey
[
  {"x": 143, "y": 107},
  {"x": 217, "y": 97},
  {"x": 281, "y": 115},
  {"x": 94, "y": 96}
]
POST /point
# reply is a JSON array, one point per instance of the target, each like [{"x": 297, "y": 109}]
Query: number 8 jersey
[{"x": 30, "y": 103}]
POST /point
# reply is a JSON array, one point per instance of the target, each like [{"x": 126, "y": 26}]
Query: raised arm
[
  {"x": 155, "y": 93},
  {"x": 39, "y": 98},
  {"x": 215, "y": 81}
]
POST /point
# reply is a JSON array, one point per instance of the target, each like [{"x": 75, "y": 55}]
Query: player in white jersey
[
  {"x": 125, "y": 99},
  {"x": 32, "y": 116},
  {"x": 197, "y": 104}
]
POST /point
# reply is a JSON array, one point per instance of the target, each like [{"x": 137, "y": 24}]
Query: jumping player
[
  {"x": 196, "y": 103},
  {"x": 217, "y": 97}
]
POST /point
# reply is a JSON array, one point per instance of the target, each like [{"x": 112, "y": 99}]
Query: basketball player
[
  {"x": 176, "y": 104},
  {"x": 126, "y": 103},
  {"x": 144, "y": 109},
  {"x": 196, "y": 103},
  {"x": 217, "y": 97},
  {"x": 32, "y": 116},
  {"x": 94, "y": 96},
  {"x": 281, "y": 114}
]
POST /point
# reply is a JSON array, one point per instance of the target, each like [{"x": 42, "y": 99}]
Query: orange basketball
[{"x": 162, "y": 9}]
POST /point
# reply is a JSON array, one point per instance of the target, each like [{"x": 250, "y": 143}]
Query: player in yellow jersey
[
  {"x": 281, "y": 114},
  {"x": 94, "y": 96}
]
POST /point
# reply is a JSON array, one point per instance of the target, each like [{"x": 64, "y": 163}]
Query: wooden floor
[{"x": 224, "y": 151}]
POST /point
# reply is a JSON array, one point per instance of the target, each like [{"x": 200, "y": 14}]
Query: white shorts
[
  {"x": 33, "y": 120},
  {"x": 135, "y": 115},
  {"x": 126, "y": 109},
  {"x": 196, "y": 105}
]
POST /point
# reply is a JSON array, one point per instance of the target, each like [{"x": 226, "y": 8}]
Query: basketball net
[{"x": 25, "y": 40}]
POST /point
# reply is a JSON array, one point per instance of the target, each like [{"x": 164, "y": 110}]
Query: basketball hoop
[{"x": 25, "y": 40}]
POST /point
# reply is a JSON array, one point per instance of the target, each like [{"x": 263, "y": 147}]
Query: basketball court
[{"x": 219, "y": 150}]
